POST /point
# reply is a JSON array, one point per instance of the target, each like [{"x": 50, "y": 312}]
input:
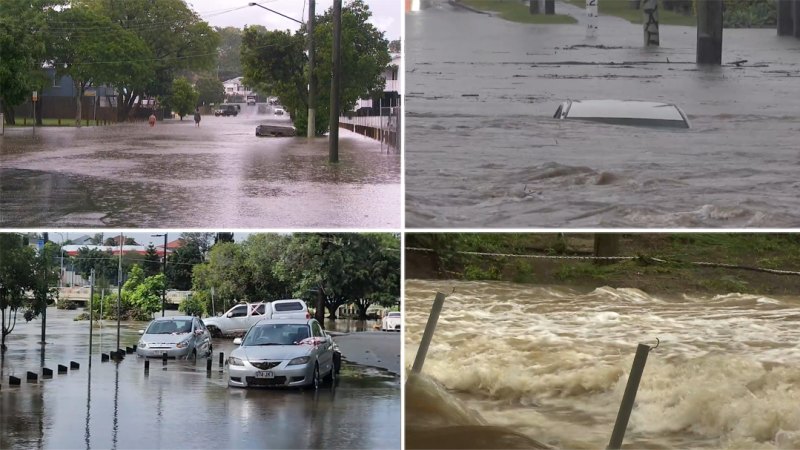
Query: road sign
[{"x": 35, "y": 96}]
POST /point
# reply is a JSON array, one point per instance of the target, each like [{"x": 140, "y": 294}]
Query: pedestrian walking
[
  {"x": 197, "y": 117},
  {"x": 152, "y": 120}
]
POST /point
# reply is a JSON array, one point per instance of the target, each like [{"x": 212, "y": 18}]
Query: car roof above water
[{"x": 624, "y": 112}]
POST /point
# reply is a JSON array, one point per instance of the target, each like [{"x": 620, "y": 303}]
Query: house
[
  {"x": 391, "y": 91},
  {"x": 236, "y": 88}
]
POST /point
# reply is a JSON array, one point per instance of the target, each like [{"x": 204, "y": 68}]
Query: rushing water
[
  {"x": 552, "y": 363},
  {"x": 482, "y": 148}
]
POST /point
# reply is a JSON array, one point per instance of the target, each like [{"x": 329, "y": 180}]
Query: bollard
[
  {"x": 62, "y": 368},
  {"x": 221, "y": 359},
  {"x": 208, "y": 364},
  {"x": 129, "y": 350},
  {"x": 629, "y": 397},
  {"x": 32, "y": 376},
  {"x": 146, "y": 365},
  {"x": 164, "y": 358},
  {"x": 74, "y": 366},
  {"x": 47, "y": 373},
  {"x": 438, "y": 302},
  {"x": 120, "y": 353},
  {"x": 14, "y": 381},
  {"x": 104, "y": 357},
  {"x": 134, "y": 348}
]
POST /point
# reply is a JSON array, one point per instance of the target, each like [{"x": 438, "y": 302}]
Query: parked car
[
  {"x": 237, "y": 320},
  {"x": 177, "y": 336},
  {"x": 624, "y": 112},
  {"x": 227, "y": 110},
  {"x": 282, "y": 352},
  {"x": 279, "y": 111},
  {"x": 392, "y": 321},
  {"x": 251, "y": 99}
]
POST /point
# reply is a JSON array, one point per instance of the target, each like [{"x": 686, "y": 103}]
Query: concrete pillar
[
  {"x": 709, "y": 32},
  {"x": 534, "y": 6},
  {"x": 785, "y": 20},
  {"x": 591, "y": 18},
  {"x": 796, "y": 18},
  {"x": 550, "y": 7},
  {"x": 650, "y": 10}
]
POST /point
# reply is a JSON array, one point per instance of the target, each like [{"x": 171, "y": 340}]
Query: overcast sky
[{"x": 385, "y": 13}]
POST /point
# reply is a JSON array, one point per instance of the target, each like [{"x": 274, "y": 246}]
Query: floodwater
[
  {"x": 174, "y": 174},
  {"x": 178, "y": 405},
  {"x": 483, "y": 149},
  {"x": 551, "y": 363}
]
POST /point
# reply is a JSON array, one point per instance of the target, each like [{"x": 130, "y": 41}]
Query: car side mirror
[
  {"x": 229, "y": 315},
  {"x": 141, "y": 331},
  {"x": 237, "y": 341}
]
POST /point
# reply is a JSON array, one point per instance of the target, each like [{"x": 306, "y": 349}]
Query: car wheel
[
  {"x": 210, "y": 351},
  {"x": 315, "y": 381},
  {"x": 337, "y": 362},
  {"x": 331, "y": 376},
  {"x": 193, "y": 356}
]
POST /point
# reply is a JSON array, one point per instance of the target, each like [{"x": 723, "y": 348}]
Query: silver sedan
[
  {"x": 178, "y": 337},
  {"x": 282, "y": 352}
]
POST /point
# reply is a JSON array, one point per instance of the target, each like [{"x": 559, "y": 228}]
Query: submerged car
[
  {"x": 624, "y": 112},
  {"x": 227, "y": 110},
  {"x": 178, "y": 337},
  {"x": 392, "y": 321},
  {"x": 276, "y": 131},
  {"x": 282, "y": 352}
]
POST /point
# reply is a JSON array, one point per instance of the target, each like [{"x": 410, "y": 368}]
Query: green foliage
[
  {"x": 152, "y": 263},
  {"x": 183, "y": 99},
  {"x": 210, "y": 90},
  {"x": 195, "y": 304},
  {"x": 184, "y": 258},
  {"x": 517, "y": 11},
  {"x": 229, "y": 61},
  {"x": 275, "y": 62}
]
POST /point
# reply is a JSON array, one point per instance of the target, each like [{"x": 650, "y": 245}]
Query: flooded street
[
  {"x": 179, "y": 405},
  {"x": 552, "y": 364},
  {"x": 483, "y": 149},
  {"x": 217, "y": 175}
]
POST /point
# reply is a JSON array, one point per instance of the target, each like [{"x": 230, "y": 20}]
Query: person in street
[
  {"x": 197, "y": 117},
  {"x": 152, "y": 120}
]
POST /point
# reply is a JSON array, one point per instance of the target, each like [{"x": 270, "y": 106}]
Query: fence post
[
  {"x": 438, "y": 302},
  {"x": 629, "y": 397}
]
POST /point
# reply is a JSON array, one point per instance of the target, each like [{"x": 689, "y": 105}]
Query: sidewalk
[{"x": 371, "y": 348}]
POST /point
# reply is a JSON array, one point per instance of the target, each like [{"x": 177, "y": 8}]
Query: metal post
[
  {"x": 650, "y": 10},
  {"x": 312, "y": 77},
  {"x": 796, "y": 18},
  {"x": 119, "y": 285},
  {"x": 61, "y": 273},
  {"x": 709, "y": 32},
  {"x": 438, "y": 302},
  {"x": 91, "y": 313},
  {"x": 164, "y": 293},
  {"x": 785, "y": 23},
  {"x": 629, "y": 397},
  {"x": 333, "y": 135},
  {"x": 533, "y": 8},
  {"x": 591, "y": 14},
  {"x": 549, "y": 7}
]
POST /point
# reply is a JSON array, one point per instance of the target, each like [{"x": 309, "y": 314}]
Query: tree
[
  {"x": 275, "y": 61},
  {"x": 97, "y": 239},
  {"x": 152, "y": 261},
  {"x": 183, "y": 98},
  {"x": 229, "y": 64},
  {"x": 223, "y": 237},
  {"x": 223, "y": 272},
  {"x": 22, "y": 46},
  {"x": 176, "y": 36},
  {"x": 93, "y": 50},
  {"x": 182, "y": 261},
  {"x": 210, "y": 90},
  {"x": 27, "y": 281},
  {"x": 395, "y": 46}
]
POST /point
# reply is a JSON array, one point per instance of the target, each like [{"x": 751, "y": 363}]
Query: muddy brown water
[
  {"x": 552, "y": 363},
  {"x": 174, "y": 174},
  {"x": 483, "y": 149},
  {"x": 179, "y": 405}
]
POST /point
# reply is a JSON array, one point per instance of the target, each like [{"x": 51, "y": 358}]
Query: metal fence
[{"x": 384, "y": 127}]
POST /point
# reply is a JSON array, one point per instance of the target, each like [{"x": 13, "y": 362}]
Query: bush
[
  {"x": 66, "y": 304},
  {"x": 194, "y": 305}
]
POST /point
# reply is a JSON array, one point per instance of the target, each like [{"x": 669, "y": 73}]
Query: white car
[
  {"x": 283, "y": 352},
  {"x": 177, "y": 336},
  {"x": 279, "y": 111},
  {"x": 392, "y": 321}
]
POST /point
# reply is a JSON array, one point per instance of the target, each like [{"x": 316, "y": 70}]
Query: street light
[
  {"x": 164, "y": 271},
  {"x": 276, "y": 12}
]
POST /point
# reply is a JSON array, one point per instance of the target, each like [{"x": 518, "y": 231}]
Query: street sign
[
  {"x": 90, "y": 93},
  {"x": 35, "y": 96}
]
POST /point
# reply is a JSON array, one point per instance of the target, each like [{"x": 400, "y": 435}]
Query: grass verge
[
  {"x": 622, "y": 9},
  {"x": 516, "y": 11},
  {"x": 28, "y": 122}
]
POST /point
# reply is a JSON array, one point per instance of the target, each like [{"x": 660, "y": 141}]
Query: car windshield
[
  {"x": 394, "y": 314},
  {"x": 176, "y": 326},
  {"x": 276, "y": 334}
]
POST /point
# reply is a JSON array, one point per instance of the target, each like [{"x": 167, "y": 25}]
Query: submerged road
[
  {"x": 180, "y": 405},
  {"x": 176, "y": 175},
  {"x": 483, "y": 149}
]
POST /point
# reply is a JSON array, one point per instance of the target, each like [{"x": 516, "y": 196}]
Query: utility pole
[
  {"x": 164, "y": 271},
  {"x": 709, "y": 32},
  {"x": 312, "y": 77},
  {"x": 333, "y": 139},
  {"x": 119, "y": 287},
  {"x": 650, "y": 10}
]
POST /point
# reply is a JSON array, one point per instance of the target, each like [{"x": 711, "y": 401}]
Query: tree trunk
[
  {"x": 3, "y": 330},
  {"x": 362, "y": 310},
  {"x": 331, "y": 307},
  {"x": 37, "y": 110},
  {"x": 8, "y": 113},
  {"x": 78, "y": 94},
  {"x": 606, "y": 244}
]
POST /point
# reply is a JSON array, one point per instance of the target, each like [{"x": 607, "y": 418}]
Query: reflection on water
[
  {"x": 552, "y": 363},
  {"x": 483, "y": 149}
]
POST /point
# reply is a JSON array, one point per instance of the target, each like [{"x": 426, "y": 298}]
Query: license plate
[{"x": 265, "y": 374}]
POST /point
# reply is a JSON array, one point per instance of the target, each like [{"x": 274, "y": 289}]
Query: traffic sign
[{"x": 35, "y": 96}]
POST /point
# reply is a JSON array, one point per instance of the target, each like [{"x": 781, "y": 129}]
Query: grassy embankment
[
  {"x": 622, "y": 9},
  {"x": 676, "y": 276},
  {"x": 516, "y": 11}
]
